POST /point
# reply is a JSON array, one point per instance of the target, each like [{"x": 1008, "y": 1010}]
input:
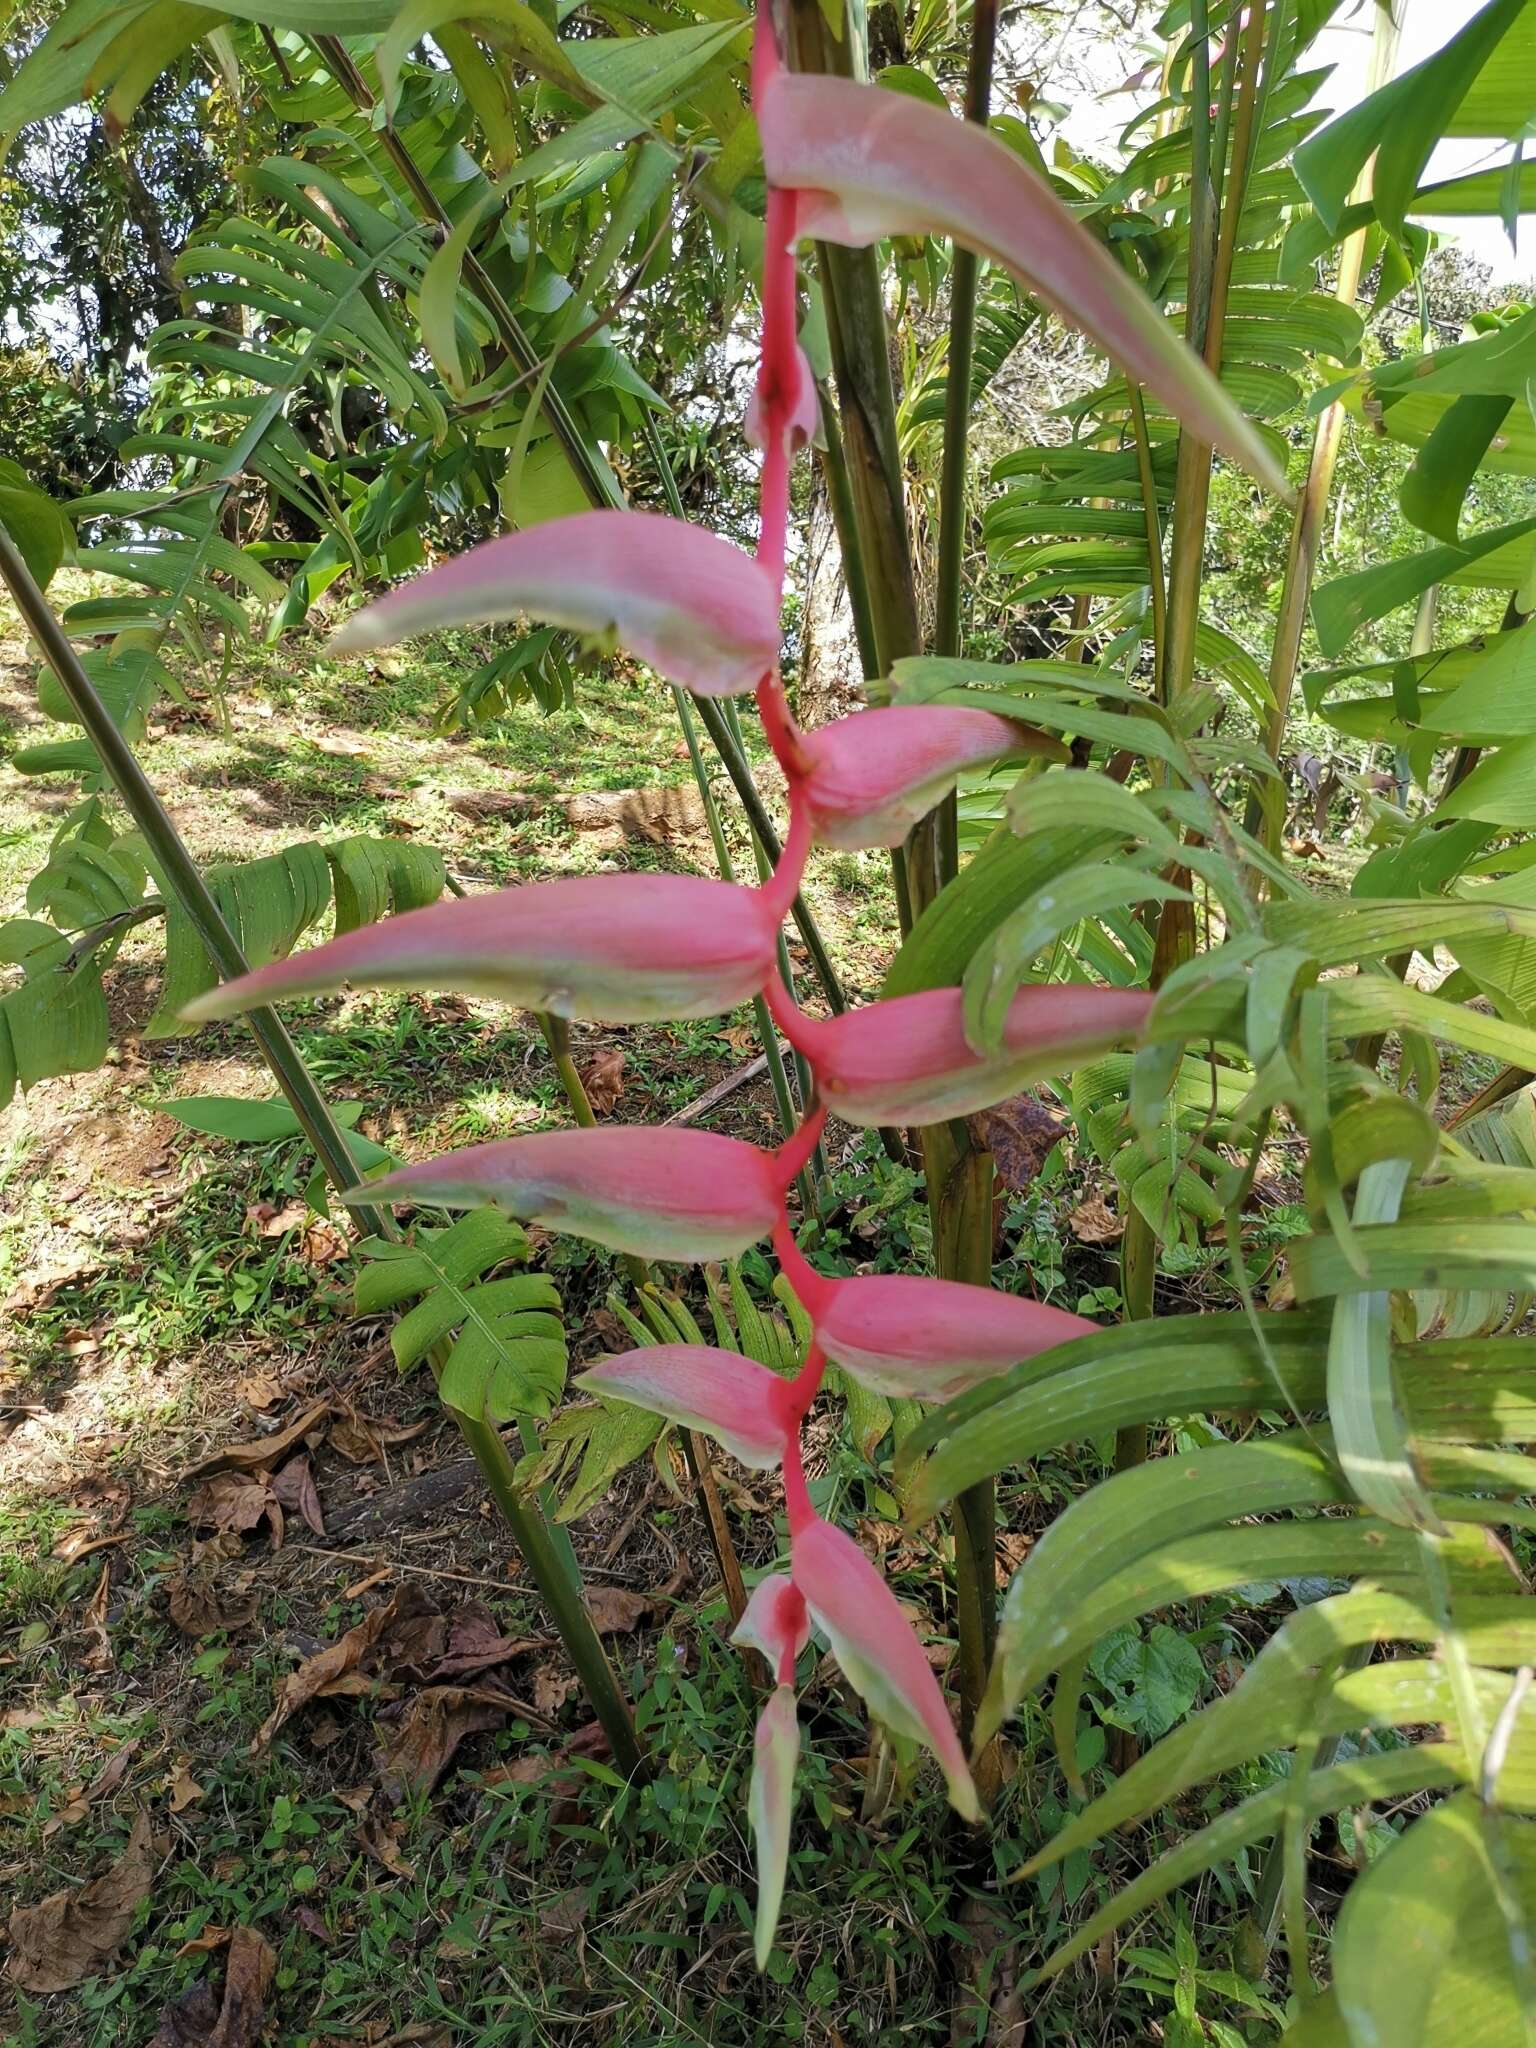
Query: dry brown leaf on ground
[
  {"x": 205, "y": 1944},
  {"x": 294, "y": 1489},
  {"x": 1093, "y": 1222},
  {"x": 75, "y": 1933},
  {"x": 265, "y": 1451},
  {"x": 238, "y": 2018},
  {"x": 182, "y": 1788},
  {"x": 616, "y": 1610},
  {"x": 97, "y": 1654},
  {"x": 552, "y": 1687},
  {"x": 335, "y": 1670},
  {"x": 322, "y": 1243},
  {"x": 81, "y": 1542},
  {"x": 363, "y": 1439},
  {"x": 380, "y": 1841},
  {"x": 474, "y": 1642},
  {"x": 1020, "y": 1134},
  {"x": 233, "y": 1503},
  {"x": 259, "y": 1391},
  {"x": 269, "y": 1220},
  {"x": 431, "y": 1728},
  {"x": 84, "y": 1797},
  {"x": 198, "y": 1610},
  {"x": 603, "y": 1078}
]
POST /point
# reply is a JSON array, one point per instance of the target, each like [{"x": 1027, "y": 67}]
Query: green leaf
[
  {"x": 1434, "y": 1943},
  {"x": 508, "y": 1357},
  {"x": 1342, "y": 607},
  {"x": 43, "y": 535},
  {"x": 616, "y": 1435},
  {"x": 1002, "y": 962},
  {"x": 1133, "y": 1515},
  {"x": 1369, "y": 1435},
  {"x": 1138, "y": 1372},
  {"x": 374, "y": 878},
  {"x": 1301, "y": 1686},
  {"x": 247, "y": 1122},
  {"x": 1155, "y": 1678},
  {"x": 1418, "y": 1255},
  {"x": 1394, "y": 1775},
  {"x": 1432, "y": 493},
  {"x": 1401, "y": 123}
]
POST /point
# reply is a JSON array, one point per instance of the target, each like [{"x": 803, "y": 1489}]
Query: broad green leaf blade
[
  {"x": 1435, "y": 1941},
  {"x": 1139, "y": 1372}
]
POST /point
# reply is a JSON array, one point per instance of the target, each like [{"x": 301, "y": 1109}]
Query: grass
[{"x": 524, "y": 1901}]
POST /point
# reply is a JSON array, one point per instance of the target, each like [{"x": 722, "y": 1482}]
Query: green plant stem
[
  {"x": 1261, "y": 818},
  {"x": 180, "y": 876},
  {"x": 1212, "y": 250},
  {"x": 962, "y": 1218},
  {"x": 563, "y": 1600},
  {"x": 1152, "y": 520},
  {"x": 834, "y": 463}
]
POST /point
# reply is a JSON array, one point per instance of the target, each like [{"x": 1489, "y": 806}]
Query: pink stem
[
  {"x": 795, "y": 1151},
  {"x": 814, "y": 1289},
  {"x": 797, "y": 1498},
  {"x": 803, "y": 1032},
  {"x": 783, "y": 885},
  {"x": 783, "y": 733},
  {"x": 806, "y": 1384}
]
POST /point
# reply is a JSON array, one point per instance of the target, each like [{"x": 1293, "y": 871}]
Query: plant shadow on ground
[{"x": 163, "y": 1299}]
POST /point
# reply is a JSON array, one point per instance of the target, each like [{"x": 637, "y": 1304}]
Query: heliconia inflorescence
[{"x": 846, "y": 162}]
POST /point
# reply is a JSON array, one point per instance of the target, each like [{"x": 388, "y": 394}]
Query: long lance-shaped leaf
[
  {"x": 907, "y": 1060},
  {"x": 868, "y": 163},
  {"x": 871, "y": 776},
  {"x": 1276, "y": 1702},
  {"x": 743, "y": 1405},
  {"x": 1362, "y": 1780},
  {"x": 1138, "y": 1372},
  {"x": 1418, "y": 1255},
  {"x": 623, "y": 948},
  {"x": 697, "y": 609},
  {"x": 1371, "y": 1437},
  {"x": 1434, "y": 1942},
  {"x": 1135, "y": 1514},
  {"x": 658, "y": 1194},
  {"x": 1192, "y": 1567}
]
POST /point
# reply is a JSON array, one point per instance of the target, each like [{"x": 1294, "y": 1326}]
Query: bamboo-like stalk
[
  {"x": 185, "y": 884},
  {"x": 1311, "y": 506}
]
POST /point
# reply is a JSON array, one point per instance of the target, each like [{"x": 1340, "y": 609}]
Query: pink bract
[
  {"x": 776, "y": 1623},
  {"x": 729, "y": 1397},
  {"x": 658, "y": 1194},
  {"x": 879, "y": 1655},
  {"x": 928, "y": 1340},
  {"x": 907, "y": 1060},
  {"x": 867, "y": 163},
  {"x": 770, "y": 1808},
  {"x": 871, "y": 776},
  {"x": 697, "y": 609},
  {"x": 623, "y": 948}
]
